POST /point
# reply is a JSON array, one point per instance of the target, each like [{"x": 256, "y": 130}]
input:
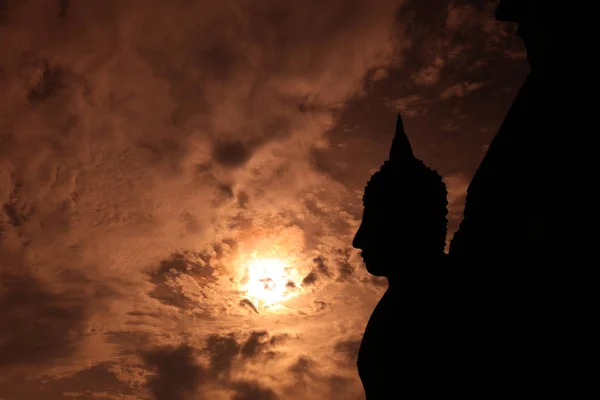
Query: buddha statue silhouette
[{"x": 402, "y": 237}]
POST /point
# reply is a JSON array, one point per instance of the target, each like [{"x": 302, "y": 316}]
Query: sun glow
[{"x": 269, "y": 281}]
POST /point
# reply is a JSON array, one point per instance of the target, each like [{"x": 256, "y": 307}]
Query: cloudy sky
[{"x": 180, "y": 182}]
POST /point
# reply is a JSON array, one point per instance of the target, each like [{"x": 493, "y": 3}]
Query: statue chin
[{"x": 376, "y": 269}]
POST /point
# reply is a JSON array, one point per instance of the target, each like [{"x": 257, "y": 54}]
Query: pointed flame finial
[{"x": 401, "y": 150}]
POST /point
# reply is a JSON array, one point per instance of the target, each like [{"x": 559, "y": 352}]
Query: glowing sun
[{"x": 269, "y": 280}]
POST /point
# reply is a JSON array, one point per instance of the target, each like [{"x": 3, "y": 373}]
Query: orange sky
[{"x": 148, "y": 148}]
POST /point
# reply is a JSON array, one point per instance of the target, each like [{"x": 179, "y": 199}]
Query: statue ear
[{"x": 401, "y": 150}]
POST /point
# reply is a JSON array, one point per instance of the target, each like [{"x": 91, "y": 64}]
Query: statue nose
[{"x": 357, "y": 241}]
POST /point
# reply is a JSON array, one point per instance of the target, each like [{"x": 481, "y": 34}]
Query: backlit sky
[{"x": 149, "y": 149}]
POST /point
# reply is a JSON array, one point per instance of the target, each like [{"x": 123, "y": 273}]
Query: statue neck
[{"x": 417, "y": 270}]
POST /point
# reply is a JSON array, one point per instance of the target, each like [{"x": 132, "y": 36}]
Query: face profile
[
  {"x": 375, "y": 239},
  {"x": 404, "y": 217}
]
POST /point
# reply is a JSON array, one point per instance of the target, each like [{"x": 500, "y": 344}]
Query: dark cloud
[
  {"x": 226, "y": 190},
  {"x": 320, "y": 305},
  {"x": 256, "y": 342},
  {"x": 339, "y": 386},
  {"x": 220, "y": 61},
  {"x": 222, "y": 351},
  {"x": 320, "y": 270},
  {"x": 176, "y": 372},
  {"x": 321, "y": 162},
  {"x": 290, "y": 285},
  {"x": 17, "y": 210},
  {"x": 243, "y": 199},
  {"x": 98, "y": 378},
  {"x": 13, "y": 216},
  {"x": 345, "y": 269},
  {"x": 195, "y": 264},
  {"x": 279, "y": 339},
  {"x": 168, "y": 293},
  {"x": 303, "y": 366},
  {"x": 348, "y": 348},
  {"x": 232, "y": 154},
  {"x": 129, "y": 342},
  {"x": 39, "y": 324},
  {"x": 342, "y": 260},
  {"x": 63, "y": 8},
  {"x": 252, "y": 391},
  {"x": 97, "y": 381},
  {"x": 308, "y": 375},
  {"x": 321, "y": 263},
  {"x": 50, "y": 80},
  {"x": 249, "y": 304},
  {"x": 311, "y": 278}
]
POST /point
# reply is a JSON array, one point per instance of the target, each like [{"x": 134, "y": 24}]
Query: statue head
[
  {"x": 404, "y": 218},
  {"x": 534, "y": 28}
]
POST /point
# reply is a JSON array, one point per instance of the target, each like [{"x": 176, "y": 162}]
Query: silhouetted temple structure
[
  {"x": 506, "y": 250},
  {"x": 509, "y": 251},
  {"x": 497, "y": 317},
  {"x": 507, "y": 208}
]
